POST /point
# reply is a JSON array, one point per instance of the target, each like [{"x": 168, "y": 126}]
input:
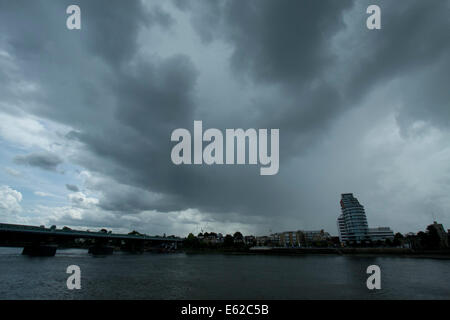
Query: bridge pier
[
  {"x": 39, "y": 246},
  {"x": 101, "y": 247},
  {"x": 101, "y": 250},
  {"x": 134, "y": 246},
  {"x": 40, "y": 250}
]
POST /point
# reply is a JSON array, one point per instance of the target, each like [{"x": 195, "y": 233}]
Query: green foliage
[{"x": 228, "y": 241}]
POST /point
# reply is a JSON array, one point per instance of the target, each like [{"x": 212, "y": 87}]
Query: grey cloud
[
  {"x": 113, "y": 28},
  {"x": 289, "y": 45},
  {"x": 43, "y": 160},
  {"x": 72, "y": 187},
  {"x": 285, "y": 46},
  {"x": 109, "y": 29},
  {"x": 412, "y": 49},
  {"x": 123, "y": 105},
  {"x": 282, "y": 41}
]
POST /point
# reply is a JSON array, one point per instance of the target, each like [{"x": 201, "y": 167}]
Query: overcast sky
[{"x": 86, "y": 115}]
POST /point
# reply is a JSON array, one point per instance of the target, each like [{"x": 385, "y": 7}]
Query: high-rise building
[
  {"x": 343, "y": 237},
  {"x": 352, "y": 223}
]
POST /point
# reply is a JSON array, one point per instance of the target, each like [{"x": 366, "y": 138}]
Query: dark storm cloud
[
  {"x": 289, "y": 44},
  {"x": 113, "y": 27},
  {"x": 43, "y": 160},
  {"x": 152, "y": 100},
  {"x": 274, "y": 41},
  {"x": 285, "y": 45},
  {"x": 429, "y": 98},
  {"x": 414, "y": 47},
  {"x": 110, "y": 28},
  {"x": 72, "y": 187},
  {"x": 123, "y": 106},
  {"x": 71, "y": 67}
]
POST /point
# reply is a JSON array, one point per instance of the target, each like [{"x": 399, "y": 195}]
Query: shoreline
[
  {"x": 299, "y": 252},
  {"x": 370, "y": 252}
]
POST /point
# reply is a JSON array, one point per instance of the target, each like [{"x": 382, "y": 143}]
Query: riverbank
[
  {"x": 400, "y": 252},
  {"x": 392, "y": 252}
]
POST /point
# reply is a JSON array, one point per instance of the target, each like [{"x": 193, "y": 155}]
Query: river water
[{"x": 217, "y": 276}]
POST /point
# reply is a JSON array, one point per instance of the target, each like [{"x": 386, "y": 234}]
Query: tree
[
  {"x": 238, "y": 236},
  {"x": 228, "y": 241},
  {"x": 191, "y": 241},
  {"x": 398, "y": 239},
  {"x": 190, "y": 237},
  {"x": 423, "y": 239},
  {"x": 388, "y": 242},
  {"x": 432, "y": 240}
]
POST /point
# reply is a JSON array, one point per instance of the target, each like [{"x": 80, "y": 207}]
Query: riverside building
[
  {"x": 381, "y": 234},
  {"x": 352, "y": 223}
]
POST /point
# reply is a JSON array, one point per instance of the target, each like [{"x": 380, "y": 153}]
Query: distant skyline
[{"x": 86, "y": 115}]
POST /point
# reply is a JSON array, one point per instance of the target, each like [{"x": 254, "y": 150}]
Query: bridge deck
[{"x": 80, "y": 234}]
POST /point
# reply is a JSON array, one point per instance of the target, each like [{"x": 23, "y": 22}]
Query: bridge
[{"x": 41, "y": 237}]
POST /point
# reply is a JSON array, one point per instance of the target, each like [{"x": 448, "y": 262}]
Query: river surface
[{"x": 217, "y": 276}]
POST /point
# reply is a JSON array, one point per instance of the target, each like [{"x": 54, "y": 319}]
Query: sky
[{"x": 86, "y": 115}]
